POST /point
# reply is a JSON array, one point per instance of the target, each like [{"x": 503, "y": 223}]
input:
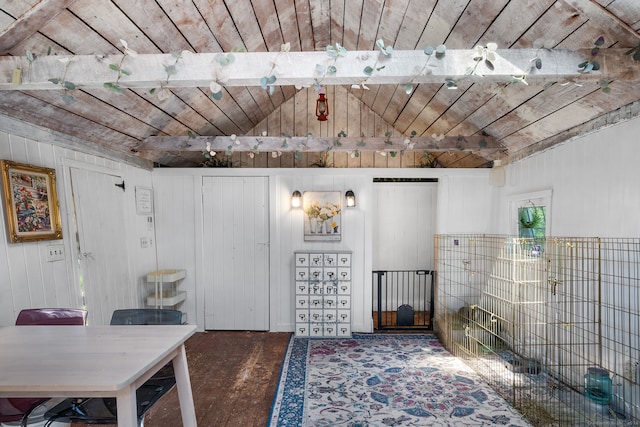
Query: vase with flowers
[
  {"x": 313, "y": 212},
  {"x": 327, "y": 212}
]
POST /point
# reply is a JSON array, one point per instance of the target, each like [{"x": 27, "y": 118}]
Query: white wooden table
[{"x": 94, "y": 361}]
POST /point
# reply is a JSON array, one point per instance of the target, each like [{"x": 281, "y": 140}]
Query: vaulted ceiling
[{"x": 446, "y": 111}]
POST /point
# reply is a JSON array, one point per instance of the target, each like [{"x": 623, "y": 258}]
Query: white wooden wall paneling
[
  {"x": 404, "y": 221},
  {"x": 593, "y": 195},
  {"x": 595, "y": 181},
  {"x": 286, "y": 227},
  {"x": 30, "y": 281},
  {"x": 177, "y": 201}
]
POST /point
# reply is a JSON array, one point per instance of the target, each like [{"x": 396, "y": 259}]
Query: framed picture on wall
[
  {"x": 31, "y": 202},
  {"x": 322, "y": 215},
  {"x": 144, "y": 201}
]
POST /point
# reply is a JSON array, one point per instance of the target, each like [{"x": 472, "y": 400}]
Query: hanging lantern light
[{"x": 322, "y": 108}]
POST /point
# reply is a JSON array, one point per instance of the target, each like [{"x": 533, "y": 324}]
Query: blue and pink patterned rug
[{"x": 383, "y": 380}]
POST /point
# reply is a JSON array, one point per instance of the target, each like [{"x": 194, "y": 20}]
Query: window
[
  {"x": 532, "y": 222},
  {"x": 530, "y": 219}
]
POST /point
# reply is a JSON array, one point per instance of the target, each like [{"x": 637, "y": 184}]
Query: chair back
[
  {"x": 18, "y": 409},
  {"x": 104, "y": 410},
  {"x": 51, "y": 316},
  {"x": 146, "y": 316}
]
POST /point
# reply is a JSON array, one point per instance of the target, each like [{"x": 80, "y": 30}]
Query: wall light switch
[{"x": 54, "y": 253}]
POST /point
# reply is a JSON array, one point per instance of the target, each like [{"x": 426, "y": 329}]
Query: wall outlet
[
  {"x": 54, "y": 253},
  {"x": 144, "y": 242}
]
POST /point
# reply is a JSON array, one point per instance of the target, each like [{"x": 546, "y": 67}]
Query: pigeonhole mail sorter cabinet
[{"x": 323, "y": 293}]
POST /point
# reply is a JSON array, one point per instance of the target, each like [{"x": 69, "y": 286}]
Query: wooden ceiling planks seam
[
  {"x": 625, "y": 10},
  {"x": 581, "y": 111},
  {"x": 541, "y": 109},
  {"x": 263, "y": 25},
  {"x": 68, "y": 20},
  {"x": 134, "y": 110},
  {"x": 545, "y": 98},
  {"x": 21, "y": 105},
  {"x": 337, "y": 21},
  {"x": 320, "y": 15},
  {"x": 503, "y": 30},
  {"x": 255, "y": 101},
  {"x": 91, "y": 108},
  {"x": 406, "y": 117},
  {"x": 408, "y": 34},
  {"x": 370, "y": 25},
  {"x": 30, "y": 19},
  {"x": 548, "y": 26},
  {"x": 444, "y": 98},
  {"x": 387, "y": 30}
]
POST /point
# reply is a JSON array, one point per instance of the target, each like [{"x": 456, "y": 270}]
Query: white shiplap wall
[
  {"x": 464, "y": 200},
  {"x": 594, "y": 180},
  {"x": 403, "y": 225},
  {"x": 27, "y": 279}
]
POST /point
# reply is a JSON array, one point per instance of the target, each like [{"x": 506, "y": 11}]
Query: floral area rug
[{"x": 383, "y": 380}]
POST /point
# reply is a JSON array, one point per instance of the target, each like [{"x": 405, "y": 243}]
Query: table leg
[
  {"x": 184, "y": 389},
  {"x": 127, "y": 409}
]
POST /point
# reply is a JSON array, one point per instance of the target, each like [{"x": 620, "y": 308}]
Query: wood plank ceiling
[{"x": 521, "y": 119}]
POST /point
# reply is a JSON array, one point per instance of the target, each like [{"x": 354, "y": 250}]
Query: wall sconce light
[
  {"x": 296, "y": 198},
  {"x": 351, "y": 198},
  {"x": 322, "y": 108}
]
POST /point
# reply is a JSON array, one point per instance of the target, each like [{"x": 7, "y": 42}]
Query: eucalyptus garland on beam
[{"x": 487, "y": 146}]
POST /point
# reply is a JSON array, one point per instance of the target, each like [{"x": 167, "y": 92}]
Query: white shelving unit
[
  {"x": 323, "y": 293},
  {"x": 166, "y": 293}
]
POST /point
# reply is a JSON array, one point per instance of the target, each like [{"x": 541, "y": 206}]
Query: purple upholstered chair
[
  {"x": 14, "y": 409},
  {"x": 52, "y": 316}
]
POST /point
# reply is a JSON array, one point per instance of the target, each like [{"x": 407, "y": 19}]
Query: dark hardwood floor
[
  {"x": 234, "y": 375},
  {"x": 233, "y": 378}
]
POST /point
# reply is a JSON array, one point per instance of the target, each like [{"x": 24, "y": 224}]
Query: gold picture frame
[{"x": 31, "y": 202}]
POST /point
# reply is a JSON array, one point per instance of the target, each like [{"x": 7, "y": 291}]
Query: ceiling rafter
[
  {"x": 301, "y": 68},
  {"x": 604, "y": 18},
  {"x": 620, "y": 115},
  {"x": 30, "y": 23},
  {"x": 408, "y": 95}
]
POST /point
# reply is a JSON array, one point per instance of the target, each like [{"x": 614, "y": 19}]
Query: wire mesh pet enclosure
[{"x": 552, "y": 324}]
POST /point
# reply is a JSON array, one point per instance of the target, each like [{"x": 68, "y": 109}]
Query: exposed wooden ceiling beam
[
  {"x": 30, "y": 23},
  {"x": 606, "y": 20},
  {"x": 301, "y": 68},
  {"x": 623, "y": 114},
  {"x": 486, "y": 146},
  {"x": 39, "y": 133}
]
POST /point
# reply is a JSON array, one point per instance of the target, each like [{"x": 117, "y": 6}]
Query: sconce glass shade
[
  {"x": 351, "y": 198},
  {"x": 296, "y": 199},
  {"x": 322, "y": 108}
]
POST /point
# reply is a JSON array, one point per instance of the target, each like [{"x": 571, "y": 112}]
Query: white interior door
[
  {"x": 102, "y": 266},
  {"x": 236, "y": 253}
]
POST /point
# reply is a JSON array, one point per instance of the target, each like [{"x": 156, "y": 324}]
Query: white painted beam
[
  {"x": 301, "y": 68},
  {"x": 487, "y": 146}
]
